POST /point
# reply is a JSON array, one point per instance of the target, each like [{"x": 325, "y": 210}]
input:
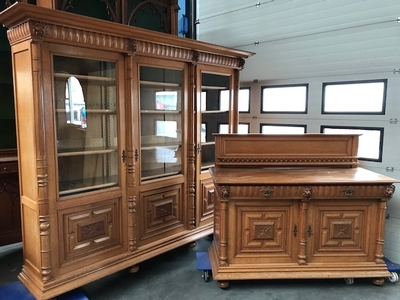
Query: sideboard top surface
[{"x": 297, "y": 176}]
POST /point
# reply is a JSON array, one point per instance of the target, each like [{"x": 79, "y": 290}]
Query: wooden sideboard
[
  {"x": 10, "y": 219},
  {"x": 296, "y": 206}
]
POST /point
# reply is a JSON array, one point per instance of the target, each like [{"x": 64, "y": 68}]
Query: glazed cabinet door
[
  {"x": 89, "y": 154},
  {"x": 161, "y": 150},
  {"x": 216, "y": 113}
]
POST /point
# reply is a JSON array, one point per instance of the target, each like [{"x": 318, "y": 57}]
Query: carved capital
[
  {"x": 307, "y": 192},
  {"x": 389, "y": 191},
  {"x": 38, "y": 29},
  {"x": 132, "y": 45},
  {"x": 224, "y": 192}
]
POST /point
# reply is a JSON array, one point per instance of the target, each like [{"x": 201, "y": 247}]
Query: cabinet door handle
[
  {"x": 198, "y": 148},
  {"x": 295, "y": 231},
  {"x": 136, "y": 155},
  {"x": 123, "y": 156},
  {"x": 309, "y": 231}
]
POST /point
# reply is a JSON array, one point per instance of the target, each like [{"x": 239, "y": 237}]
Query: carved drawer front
[
  {"x": 342, "y": 230},
  {"x": 207, "y": 203},
  {"x": 161, "y": 210},
  {"x": 351, "y": 191},
  {"x": 264, "y": 192},
  {"x": 263, "y": 234},
  {"x": 87, "y": 230}
]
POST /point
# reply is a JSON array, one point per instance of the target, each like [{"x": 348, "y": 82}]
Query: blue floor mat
[{"x": 17, "y": 291}]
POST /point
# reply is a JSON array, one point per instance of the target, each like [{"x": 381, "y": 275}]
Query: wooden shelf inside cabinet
[
  {"x": 92, "y": 111},
  {"x": 87, "y": 185},
  {"x": 154, "y": 146},
  {"x": 214, "y": 111},
  {"x": 154, "y": 174},
  {"x": 208, "y": 143},
  {"x": 85, "y": 77},
  {"x": 210, "y": 87},
  {"x": 155, "y": 111},
  {"x": 75, "y": 152},
  {"x": 158, "y": 84}
]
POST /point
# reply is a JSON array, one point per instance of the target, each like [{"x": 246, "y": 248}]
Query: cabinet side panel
[
  {"x": 24, "y": 107},
  {"x": 30, "y": 235}
]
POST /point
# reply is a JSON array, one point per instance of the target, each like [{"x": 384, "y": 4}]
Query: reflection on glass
[
  {"x": 86, "y": 124},
  {"x": 214, "y": 107},
  {"x": 161, "y": 122}
]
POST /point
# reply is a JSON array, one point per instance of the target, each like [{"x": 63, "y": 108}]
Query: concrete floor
[{"x": 174, "y": 276}]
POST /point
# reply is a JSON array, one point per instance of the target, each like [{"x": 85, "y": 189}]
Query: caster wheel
[
  {"x": 349, "y": 280},
  {"x": 394, "y": 277},
  {"x": 205, "y": 275}
]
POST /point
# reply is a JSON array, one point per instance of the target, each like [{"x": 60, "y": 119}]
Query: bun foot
[
  {"x": 133, "y": 269},
  {"x": 223, "y": 284},
  {"x": 378, "y": 281},
  {"x": 192, "y": 244}
]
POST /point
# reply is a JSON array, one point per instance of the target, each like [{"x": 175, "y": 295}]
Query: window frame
[
  {"x": 306, "y": 85},
  {"x": 283, "y": 125},
  {"x": 382, "y": 112},
  {"x": 381, "y": 129},
  {"x": 249, "y": 107}
]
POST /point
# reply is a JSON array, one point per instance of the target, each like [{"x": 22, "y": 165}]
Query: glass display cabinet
[{"x": 112, "y": 163}]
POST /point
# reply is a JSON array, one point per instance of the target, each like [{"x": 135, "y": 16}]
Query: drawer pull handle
[
  {"x": 267, "y": 193},
  {"x": 348, "y": 192}
]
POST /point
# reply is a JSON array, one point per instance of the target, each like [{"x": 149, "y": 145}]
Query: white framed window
[
  {"x": 355, "y": 97},
  {"x": 370, "y": 142},
  {"x": 244, "y": 100},
  {"x": 284, "y": 99},
  {"x": 282, "y": 129},
  {"x": 243, "y": 128}
]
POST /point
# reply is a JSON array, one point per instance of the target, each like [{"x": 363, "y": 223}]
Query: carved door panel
[
  {"x": 162, "y": 213},
  {"x": 206, "y": 204},
  {"x": 263, "y": 234},
  {"x": 341, "y": 231}
]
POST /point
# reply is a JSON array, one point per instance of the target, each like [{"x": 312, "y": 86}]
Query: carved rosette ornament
[{"x": 389, "y": 191}]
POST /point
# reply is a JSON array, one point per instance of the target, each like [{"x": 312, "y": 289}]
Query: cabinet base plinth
[{"x": 223, "y": 274}]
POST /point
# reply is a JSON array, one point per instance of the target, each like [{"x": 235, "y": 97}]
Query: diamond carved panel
[
  {"x": 90, "y": 230},
  {"x": 341, "y": 230},
  {"x": 163, "y": 211},
  {"x": 263, "y": 231}
]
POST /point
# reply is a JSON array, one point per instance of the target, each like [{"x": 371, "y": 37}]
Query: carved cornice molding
[
  {"x": 45, "y": 31},
  {"x": 286, "y": 160}
]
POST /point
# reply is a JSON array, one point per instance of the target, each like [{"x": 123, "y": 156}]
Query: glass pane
[
  {"x": 361, "y": 97},
  {"x": 284, "y": 99},
  {"x": 86, "y": 124},
  {"x": 214, "y": 106},
  {"x": 161, "y": 122}
]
